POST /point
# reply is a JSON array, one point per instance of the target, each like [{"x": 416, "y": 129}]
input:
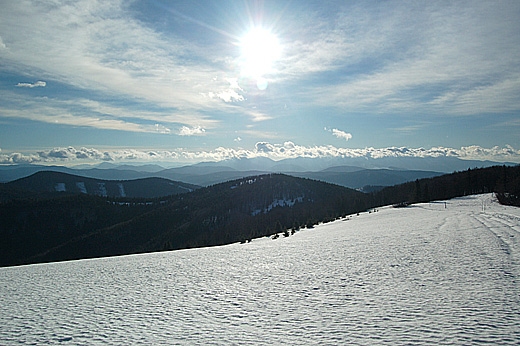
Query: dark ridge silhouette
[{"x": 50, "y": 181}]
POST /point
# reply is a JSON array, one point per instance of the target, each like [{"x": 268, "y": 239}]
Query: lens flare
[{"x": 260, "y": 49}]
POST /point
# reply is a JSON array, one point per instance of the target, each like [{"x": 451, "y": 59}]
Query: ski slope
[{"x": 433, "y": 273}]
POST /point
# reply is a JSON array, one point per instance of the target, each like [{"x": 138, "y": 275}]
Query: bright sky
[{"x": 209, "y": 80}]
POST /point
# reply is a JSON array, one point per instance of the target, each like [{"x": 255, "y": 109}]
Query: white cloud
[
  {"x": 262, "y": 149},
  {"x": 341, "y": 134},
  {"x": 56, "y": 115},
  {"x": 191, "y": 131},
  {"x": 289, "y": 145},
  {"x": 98, "y": 46},
  {"x": 228, "y": 96},
  {"x": 258, "y": 116},
  {"x": 66, "y": 154},
  {"x": 231, "y": 94},
  {"x": 32, "y": 85},
  {"x": 410, "y": 128},
  {"x": 162, "y": 129},
  {"x": 389, "y": 57},
  {"x": 468, "y": 52},
  {"x": 90, "y": 113},
  {"x": 440, "y": 59}
]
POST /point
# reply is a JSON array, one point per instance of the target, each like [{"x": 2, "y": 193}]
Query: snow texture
[
  {"x": 122, "y": 192},
  {"x": 102, "y": 190},
  {"x": 60, "y": 187},
  {"x": 81, "y": 186},
  {"x": 278, "y": 203},
  {"x": 247, "y": 181},
  {"x": 421, "y": 275},
  {"x": 183, "y": 187}
]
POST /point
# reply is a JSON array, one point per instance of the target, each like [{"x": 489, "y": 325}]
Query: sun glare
[{"x": 259, "y": 50}]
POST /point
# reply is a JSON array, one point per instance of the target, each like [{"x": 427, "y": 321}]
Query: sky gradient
[{"x": 189, "y": 81}]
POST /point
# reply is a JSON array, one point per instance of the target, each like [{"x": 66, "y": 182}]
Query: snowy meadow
[{"x": 432, "y": 273}]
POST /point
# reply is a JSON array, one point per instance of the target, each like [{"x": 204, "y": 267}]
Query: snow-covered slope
[{"x": 432, "y": 274}]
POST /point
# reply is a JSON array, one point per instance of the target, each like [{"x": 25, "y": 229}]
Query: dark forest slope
[
  {"x": 503, "y": 180},
  {"x": 50, "y": 181},
  {"x": 83, "y": 226}
]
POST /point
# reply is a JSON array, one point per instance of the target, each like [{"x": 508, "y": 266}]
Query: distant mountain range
[
  {"x": 441, "y": 164},
  {"x": 356, "y": 173}
]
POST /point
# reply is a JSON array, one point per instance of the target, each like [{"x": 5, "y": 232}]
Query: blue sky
[{"x": 187, "y": 81}]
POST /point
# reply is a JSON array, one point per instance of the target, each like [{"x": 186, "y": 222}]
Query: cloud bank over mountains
[{"x": 71, "y": 155}]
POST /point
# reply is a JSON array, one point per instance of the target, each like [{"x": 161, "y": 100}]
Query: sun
[{"x": 260, "y": 49}]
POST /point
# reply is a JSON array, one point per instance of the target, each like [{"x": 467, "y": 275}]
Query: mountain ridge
[
  {"x": 51, "y": 181},
  {"x": 126, "y": 171}
]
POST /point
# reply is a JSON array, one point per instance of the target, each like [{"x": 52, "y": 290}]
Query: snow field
[{"x": 420, "y": 275}]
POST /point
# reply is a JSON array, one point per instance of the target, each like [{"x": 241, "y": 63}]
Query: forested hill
[
  {"x": 44, "y": 182},
  {"x": 503, "y": 180},
  {"x": 67, "y": 226},
  {"x": 84, "y": 226}
]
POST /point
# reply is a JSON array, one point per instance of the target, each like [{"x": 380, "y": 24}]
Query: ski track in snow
[{"x": 422, "y": 275}]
